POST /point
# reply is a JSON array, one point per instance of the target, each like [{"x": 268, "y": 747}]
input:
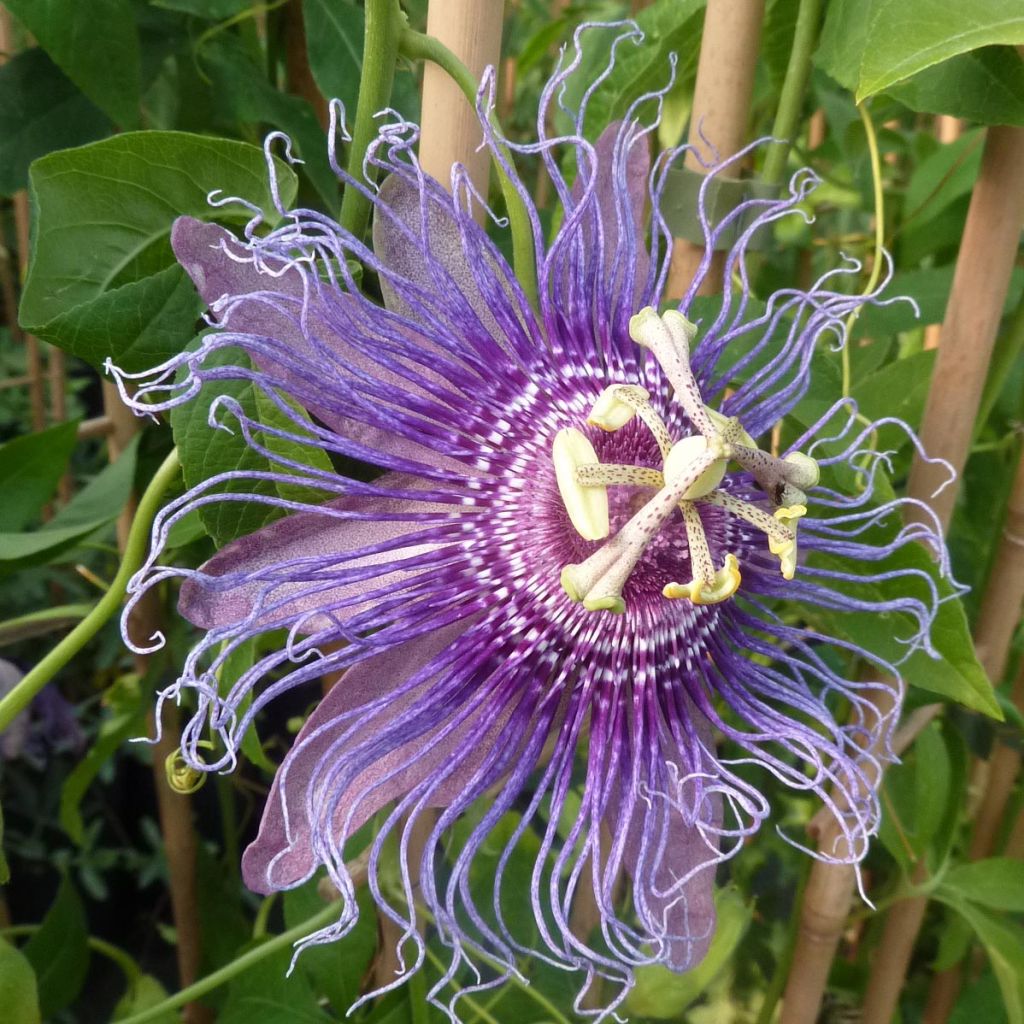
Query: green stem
[
  {"x": 134, "y": 551},
  {"x": 876, "y": 263},
  {"x": 384, "y": 21},
  {"x": 794, "y": 85},
  {"x": 242, "y": 963},
  {"x": 417, "y": 46}
]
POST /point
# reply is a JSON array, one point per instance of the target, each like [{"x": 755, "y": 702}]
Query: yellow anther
[
  {"x": 786, "y": 549},
  {"x": 609, "y": 603},
  {"x": 572, "y": 584},
  {"x": 611, "y": 412},
  {"x": 587, "y": 505},
  {"x": 684, "y": 453},
  {"x": 726, "y": 583}
]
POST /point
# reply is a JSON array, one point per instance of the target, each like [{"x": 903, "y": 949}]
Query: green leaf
[
  {"x": 210, "y": 10},
  {"x": 669, "y": 27},
  {"x": 95, "y": 506},
  {"x": 956, "y": 673},
  {"x": 334, "y": 40},
  {"x": 985, "y": 86},
  {"x": 266, "y": 993},
  {"x": 59, "y": 951},
  {"x": 997, "y": 882},
  {"x": 663, "y": 994},
  {"x": 97, "y": 46},
  {"x": 206, "y": 452},
  {"x": 41, "y": 110},
  {"x": 125, "y": 719},
  {"x": 1004, "y": 943},
  {"x": 942, "y": 178},
  {"x": 103, "y": 281},
  {"x": 898, "y": 389},
  {"x": 907, "y": 36},
  {"x": 336, "y": 969},
  {"x": 249, "y": 97},
  {"x": 18, "y": 987},
  {"x": 30, "y": 469},
  {"x": 144, "y": 993}
]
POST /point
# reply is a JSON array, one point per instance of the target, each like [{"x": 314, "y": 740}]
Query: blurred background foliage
[{"x": 118, "y": 115}]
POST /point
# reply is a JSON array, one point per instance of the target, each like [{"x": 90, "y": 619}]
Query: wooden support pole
[
  {"x": 450, "y": 129},
  {"x": 975, "y": 308},
  {"x": 174, "y": 809},
  {"x": 721, "y": 111}
]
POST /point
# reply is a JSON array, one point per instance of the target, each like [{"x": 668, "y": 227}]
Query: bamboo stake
[
  {"x": 982, "y": 277},
  {"x": 980, "y": 283},
  {"x": 450, "y": 129},
  {"x": 824, "y": 910},
  {"x": 174, "y": 809},
  {"x": 721, "y": 112},
  {"x": 947, "y": 129}
]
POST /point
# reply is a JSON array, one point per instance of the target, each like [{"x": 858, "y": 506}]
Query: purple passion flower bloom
[{"x": 567, "y": 582}]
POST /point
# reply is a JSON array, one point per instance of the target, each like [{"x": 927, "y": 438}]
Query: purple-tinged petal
[
  {"x": 282, "y": 855},
  {"x": 320, "y": 540}
]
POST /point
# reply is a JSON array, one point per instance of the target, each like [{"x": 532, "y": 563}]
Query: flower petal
[
  {"x": 283, "y": 853},
  {"x": 321, "y": 540},
  {"x": 272, "y": 303}
]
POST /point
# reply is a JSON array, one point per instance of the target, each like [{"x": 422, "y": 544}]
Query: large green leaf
[
  {"x": 870, "y": 45},
  {"x": 95, "y": 506},
  {"x": 30, "y": 469},
  {"x": 334, "y": 39},
  {"x": 41, "y": 110},
  {"x": 1004, "y": 943},
  {"x": 102, "y": 281},
  {"x": 206, "y": 452},
  {"x": 250, "y": 98},
  {"x": 669, "y": 27},
  {"x": 986, "y": 86},
  {"x": 59, "y": 951},
  {"x": 18, "y": 987},
  {"x": 268, "y": 993},
  {"x": 97, "y": 46},
  {"x": 997, "y": 883},
  {"x": 336, "y": 969}
]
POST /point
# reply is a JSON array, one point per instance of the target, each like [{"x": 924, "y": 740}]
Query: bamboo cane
[
  {"x": 450, "y": 129},
  {"x": 299, "y": 77},
  {"x": 174, "y": 809},
  {"x": 997, "y": 621},
  {"x": 721, "y": 112},
  {"x": 975, "y": 308},
  {"x": 980, "y": 283}
]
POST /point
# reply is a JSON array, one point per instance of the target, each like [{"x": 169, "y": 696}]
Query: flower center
[{"x": 693, "y": 468}]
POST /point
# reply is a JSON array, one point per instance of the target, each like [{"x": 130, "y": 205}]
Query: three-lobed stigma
[{"x": 693, "y": 468}]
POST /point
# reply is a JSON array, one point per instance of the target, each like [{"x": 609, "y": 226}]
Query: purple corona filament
[{"x": 567, "y": 578}]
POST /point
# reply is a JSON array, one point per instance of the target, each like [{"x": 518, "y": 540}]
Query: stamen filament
[
  {"x": 764, "y": 521},
  {"x": 604, "y": 474},
  {"x": 700, "y": 554}
]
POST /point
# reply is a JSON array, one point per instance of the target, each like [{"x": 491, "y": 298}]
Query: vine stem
[
  {"x": 384, "y": 22},
  {"x": 242, "y": 963},
  {"x": 417, "y": 46},
  {"x": 135, "y": 548},
  {"x": 794, "y": 86},
  {"x": 876, "y": 260}
]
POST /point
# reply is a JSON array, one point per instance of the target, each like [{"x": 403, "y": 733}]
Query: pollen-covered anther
[
  {"x": 785, "y": 549},
  {"x": 725, "y": 583},
  {"x": 617, "y": 405},
  {"x": 667, "y": 337},
  {"x": 587, "y": 505}
]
